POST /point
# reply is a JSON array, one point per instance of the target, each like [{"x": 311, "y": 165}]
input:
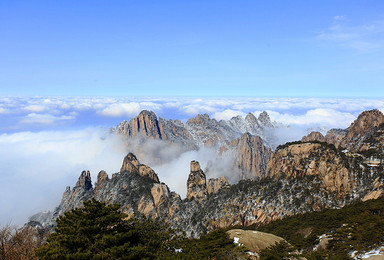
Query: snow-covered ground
[{"x": 367, "y": 255}]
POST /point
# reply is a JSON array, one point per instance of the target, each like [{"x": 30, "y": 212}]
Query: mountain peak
[
  {"x": 367, "y": 120},
  {"x": 147, "y": 113},
  {"x": 199, "y": 119},
  {"x": 132, "y": 165},
  {"x": 365, "y": 123},
  {"x": 264, "y": 119},
  {"x": 85, "y": 180},
  {"x": 251, "y": 118}
]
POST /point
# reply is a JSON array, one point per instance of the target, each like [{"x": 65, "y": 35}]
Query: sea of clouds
[{"x": 45, "y": 142}]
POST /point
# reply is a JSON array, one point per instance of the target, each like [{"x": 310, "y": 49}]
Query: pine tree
[{"x": 100, "y": 231}]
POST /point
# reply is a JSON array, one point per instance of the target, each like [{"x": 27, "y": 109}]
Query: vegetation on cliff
[
  {"x": 100, "y": 231},
  {"x": 356, "y": 227}
]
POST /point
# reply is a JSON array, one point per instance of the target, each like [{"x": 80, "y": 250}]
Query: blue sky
[{"x": 192, "y": 48}]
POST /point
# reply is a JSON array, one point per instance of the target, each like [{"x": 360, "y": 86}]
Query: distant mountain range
[{"x": 317, "y": 172}]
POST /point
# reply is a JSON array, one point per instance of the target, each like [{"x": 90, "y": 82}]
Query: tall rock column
[{"x": 196, "y": 184}]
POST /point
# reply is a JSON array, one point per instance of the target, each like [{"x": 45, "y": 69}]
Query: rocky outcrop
[
  {"x": 214, "y": 185},
  {"x": 160, "y": 192},
  {"x": 132, "y": 165},
  {"x": 313, "y": 136},
  {"x": 372, "y": 146},
  {"x": 198, "y": 131},
  {"x": 242, "y": 136},
  {"x": 145, "y": 124},
  {"x": 101, "y": 178},
  {"x": 353, "y": 138},
  {"x": 74, "y": 198},
  {"x": 252, "y": 156},
  {"x": 196, "y": 184},
  {"x": 206, "y": 131},
  {"x": 303, "y": 177},
  {"x": 300, "y": 177},
  {"x": 306, "y": 159},
  {"x": 84, "y": 180},
  {"x": 365, "y": 123},
  {"x": 335, "y": 136},
  {"x": 265, "y": 120}
]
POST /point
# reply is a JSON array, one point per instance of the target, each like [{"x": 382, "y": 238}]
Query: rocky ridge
[
  {"x": 245, "y": 203},
  {"x": 319, "y": 159},
  {"x": 246, "y": 141},
  {"x": 299, "y": 177},
  {"x": 197, "y": 132}
]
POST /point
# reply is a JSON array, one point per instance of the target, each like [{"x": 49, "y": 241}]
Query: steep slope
[
  {"x": 351, "y": 230},
  {"x": 137, "y": 189},
  {"x": 250, "y": 156},
  {"x": 299, "y": 177},
  {"x": 246, "y": 140},
  {"x": 147, "y": 125},
  {"x": 318, "y": 159},
  {"x": 365, "y": 123},
  {"x": 353, "y": 137}
]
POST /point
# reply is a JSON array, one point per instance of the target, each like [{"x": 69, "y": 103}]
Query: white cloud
[
  {"x": 122, "y": 109},
  {"x": 45, "y": 119},
  {"x": 35, "y": 108},
  {"x": 150, "y": 106},
  {"x": 83, "y": 106},
  {"x": 316, "y": 117},
  {"x": 36, "y": 167},
  {"x": 227, "y": 114},
  {"x": 42, "y": 164},
  {"x": 194, "y": 109},
  {"x": 65, "y": 106},
  {"x": 175, "y": 172}
]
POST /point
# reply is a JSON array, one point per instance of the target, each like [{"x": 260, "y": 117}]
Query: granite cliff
[
  {"x": 298, "y": 177},
  {"x": 246, "y": 142}
]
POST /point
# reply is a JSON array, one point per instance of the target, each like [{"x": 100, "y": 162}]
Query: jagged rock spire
[
  {"x": 102, "y": 177},
  {"x": 85, "y": 180},
  {"x": 196, "y": 184},
  {"x": 132, "y": 165}
]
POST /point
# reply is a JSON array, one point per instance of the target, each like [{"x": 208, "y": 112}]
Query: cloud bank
[
  {"x": 57, "y": 113},
  {"x": 35, "y": 168},
  {"x": 45, "y": 142}
]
